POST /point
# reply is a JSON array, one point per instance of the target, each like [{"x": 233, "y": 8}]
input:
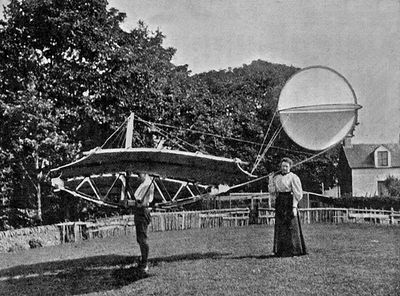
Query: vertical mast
[
  {"x": 129, "y": 131},
  {"x": 128, "y": 144}
]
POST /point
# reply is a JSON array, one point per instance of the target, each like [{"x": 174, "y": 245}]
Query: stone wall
[{"x": 27, "y": 238}]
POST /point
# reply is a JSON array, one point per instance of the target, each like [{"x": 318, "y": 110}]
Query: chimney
[{"x": 347, "y": 142}]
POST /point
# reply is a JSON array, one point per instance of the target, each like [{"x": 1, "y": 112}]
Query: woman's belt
[{"x": 285, "y": 193}]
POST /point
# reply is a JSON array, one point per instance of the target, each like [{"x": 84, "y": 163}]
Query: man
[{"x": 143, "y": 197}]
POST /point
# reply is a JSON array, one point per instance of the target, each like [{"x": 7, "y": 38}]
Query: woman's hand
[
  {"x": 294, "y": 211},
  {"x": 271, "y": 186},
  {"x": 271, "y": 177}
]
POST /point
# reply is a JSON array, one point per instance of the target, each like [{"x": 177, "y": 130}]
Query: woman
[{"x": 286, "y": 186}]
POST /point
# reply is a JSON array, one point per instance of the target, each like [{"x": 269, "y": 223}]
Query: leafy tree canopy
[
  {"x": 393, "y": 186},
  {"x": 246, "y": 100},
  {"x": 70, "y": 76}
]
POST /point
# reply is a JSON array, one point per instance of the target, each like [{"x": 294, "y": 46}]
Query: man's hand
[
  {"x": 294, "y": 211},
  {"x": 131, "y": 203}
]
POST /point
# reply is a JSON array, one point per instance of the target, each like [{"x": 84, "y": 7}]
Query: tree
[
  {"x": 393, "y": 186},
  {"x": 69, "y": 76},
  {"x": 245, "y": 101}
]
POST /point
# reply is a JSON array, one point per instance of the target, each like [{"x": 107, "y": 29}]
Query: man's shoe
[{"x": 145, "y": 268}]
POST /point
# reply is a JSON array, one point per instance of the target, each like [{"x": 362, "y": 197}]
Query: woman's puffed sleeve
[
  {"x": 296, "y": 190},
  {"x": 271, "y": 184}
]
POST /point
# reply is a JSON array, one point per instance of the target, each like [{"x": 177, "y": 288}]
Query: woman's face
[{"x": 285, "y": 167}]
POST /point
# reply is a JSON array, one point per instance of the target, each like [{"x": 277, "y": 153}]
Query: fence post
[
  {"x": 183, "y": 221},
  {"x": 76, "y": 232},
  {"x": 392, "y": 216},
  {"x": 199, "y": 217}
]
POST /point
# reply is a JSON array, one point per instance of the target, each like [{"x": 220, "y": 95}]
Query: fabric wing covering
[
  {"x": 317, "y": 108},
  {"x": 179, "y": 165}
]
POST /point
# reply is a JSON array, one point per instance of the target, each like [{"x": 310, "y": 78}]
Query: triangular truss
[{"x": 108, "y": 175}]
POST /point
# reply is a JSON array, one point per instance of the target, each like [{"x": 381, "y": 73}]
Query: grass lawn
[{"x": 347, "y": 259}]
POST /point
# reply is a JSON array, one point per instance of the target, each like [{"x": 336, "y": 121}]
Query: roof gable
[
  {"x": 362, "y": 155},
  {"x": 382, "y": 147}
]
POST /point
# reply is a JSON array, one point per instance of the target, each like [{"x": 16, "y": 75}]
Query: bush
[
  {"x": 376, "y": 202},
  {"x": 35, "y": 243},
  {"x": 393, "y": 186},
  {"x": 15, "y": 248}
]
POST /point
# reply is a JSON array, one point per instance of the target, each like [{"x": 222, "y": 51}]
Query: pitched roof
[{"x": 362, "y": 155}]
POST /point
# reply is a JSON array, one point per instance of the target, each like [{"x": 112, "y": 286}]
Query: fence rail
[
  {"x": 167, "y": 221},
  {"x": 336, "y": 215}
]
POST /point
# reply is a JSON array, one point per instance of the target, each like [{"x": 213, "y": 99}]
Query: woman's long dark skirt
[{"x": 288, "y": 237}]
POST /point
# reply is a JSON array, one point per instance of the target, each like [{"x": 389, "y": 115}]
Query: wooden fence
[
  {"x": 160, "y": 221},
  {"x": 336, "y": 215},
  {"x": 166, "y": 221}
]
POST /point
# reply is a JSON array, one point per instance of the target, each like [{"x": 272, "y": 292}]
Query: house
[{"x": 363, "y": 168}]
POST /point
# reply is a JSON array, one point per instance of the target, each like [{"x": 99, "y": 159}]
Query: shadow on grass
[
  {"x": 256, "y": 257},
  {"x": 84, "y": 275},
  {"x": 188, "y": 257}
]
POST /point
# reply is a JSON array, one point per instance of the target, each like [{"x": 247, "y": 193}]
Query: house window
[
  {"x": 383, "y": 158},
  {"x": 382, "y": 189}
]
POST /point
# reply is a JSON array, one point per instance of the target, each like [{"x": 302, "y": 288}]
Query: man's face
[
  {"x": 142, "y": 177},
  {"x": 285, "y": 167}
]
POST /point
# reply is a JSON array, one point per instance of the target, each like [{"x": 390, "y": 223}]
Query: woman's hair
[{"x": 287, "y": 160}]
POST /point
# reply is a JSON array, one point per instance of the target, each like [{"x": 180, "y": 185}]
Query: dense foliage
[
  {"x": 361, "y": 202},
  {"x": 393, "y": 186},
  {"x": 70, "y": 76},
  {"x": 249, "y": 96}
]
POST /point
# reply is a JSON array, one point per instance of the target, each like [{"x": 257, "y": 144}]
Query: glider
[{"x": 317, "y": 108}]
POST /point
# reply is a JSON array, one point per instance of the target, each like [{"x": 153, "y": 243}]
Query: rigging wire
[
  {"x": 261, "y": 157},
  {"x": 199, "y": 132},
  {"x": 149, "y": 123},
  {"x": 116, "y": 137},
  {"x": 265, "y": 138},
  {"x": 271, "y": 141},
  {"x": 172, "y": 140},
  {"x": 312, "y": 157},
  {"x": 122, "y": 138},
  {"x": 118, "y": 129},
  {"x": 266, "y": 176},
  {"x": 291, "y": 150},
  {"x": 165, "y": 134},
  {"x": 276, "y": 134}
]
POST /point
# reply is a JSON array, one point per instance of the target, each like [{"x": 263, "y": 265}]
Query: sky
[{"x": 358, "y": 38}]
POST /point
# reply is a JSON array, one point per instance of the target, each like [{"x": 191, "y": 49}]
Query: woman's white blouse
[{"x": 286, "y": 183}]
